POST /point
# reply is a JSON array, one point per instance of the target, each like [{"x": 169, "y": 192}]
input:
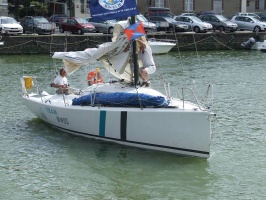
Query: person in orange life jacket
[
  {"x": 61, "y": 83},
  {"x": 145, "y": 55},
  {"x": 94, "y": 77}
]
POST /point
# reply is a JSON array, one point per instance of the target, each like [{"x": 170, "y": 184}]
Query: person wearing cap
[
  {"x": 145, "y": 55},
  {"x": 61, "y": 83}
]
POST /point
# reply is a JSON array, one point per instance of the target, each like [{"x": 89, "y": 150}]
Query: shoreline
[{"x": 186, "y": 41}]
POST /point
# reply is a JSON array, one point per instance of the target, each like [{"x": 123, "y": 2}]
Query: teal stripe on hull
[{"x": 102, "y": 123}]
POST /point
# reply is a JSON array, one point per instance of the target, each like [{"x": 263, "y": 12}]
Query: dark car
[
  {"x": 158, "y": 11},
  {"x": 75, "y": 25},
  {"x": 56, "y": 18},
  {"x": 262, "y": 16},
  {"x": 149, "y": 27},
  {"x": 219, "y": 22},
  {"x": 103, "y": 26},
  {"x": 168, "y": 24},
  {"x": 36, "y": 24}
]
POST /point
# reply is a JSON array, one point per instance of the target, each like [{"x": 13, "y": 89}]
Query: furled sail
[{"x": 115, "y": 57}]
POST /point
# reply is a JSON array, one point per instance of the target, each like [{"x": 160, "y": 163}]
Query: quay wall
[{"x": 46, "y": 44}]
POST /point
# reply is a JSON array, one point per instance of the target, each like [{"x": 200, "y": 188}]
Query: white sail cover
[{"x": 114, "y": 56}]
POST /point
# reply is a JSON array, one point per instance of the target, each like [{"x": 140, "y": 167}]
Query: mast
[{"x": 135, "y": 56}]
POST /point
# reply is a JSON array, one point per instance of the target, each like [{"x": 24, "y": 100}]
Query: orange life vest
[{"x": 94, "y": 77}]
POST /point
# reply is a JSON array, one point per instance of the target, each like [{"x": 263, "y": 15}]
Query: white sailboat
[{"x": 120, "y": 111}]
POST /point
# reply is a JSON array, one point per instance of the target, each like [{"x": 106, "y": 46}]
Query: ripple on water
[{"x": 40, "y": 162}]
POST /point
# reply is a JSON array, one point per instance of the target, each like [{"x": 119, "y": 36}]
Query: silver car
[
  {"x": 103, "y": 26},
  {"x": 194, "y": 23},
  {"x": 148, "y": 26},
  {"x": 219, "y": 22},
  {"x": 168, "y": 24},
  {"x": 249, "y": 23},
  {"x": 10, "y": 26}
]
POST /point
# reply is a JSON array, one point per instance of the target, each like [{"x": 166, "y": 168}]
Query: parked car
[
  {"x": 36, "y": 24},
  {"x": 103, "y": 26},
  {"x": 168, "y": 24},
  {"x": 262, "y": 16},
  {"x": 188, "y": 14},
  {"x": 10, "y": 26},
  {"x": 194, "y": 23},
  {"x": 75, "y": 25},
  {"x": 249, "y": 23},
  {"x": 219, "y": 22},
  {"x": 148, "y": 26},
  {"x": 206, "y": 13},
  {"x": 246, "y": 14},
  {"x": 158, "y": 11},
  {"x": 56, "y": 18}
]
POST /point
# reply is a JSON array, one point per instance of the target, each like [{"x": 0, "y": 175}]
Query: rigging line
[
  {"x": 222, "y": 43},
  {"x": 17, "y": 45},
  {"x": 51, "y": 44},
  {"x": 196, "y": 46},
  {"x": 50, "y": 58},
  {"x": 65, "y": 49},
  {"x": 85, "y": 40},
  {"x": 199, "y": 41}
]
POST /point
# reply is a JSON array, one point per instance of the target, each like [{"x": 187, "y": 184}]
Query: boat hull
[
  {"x": 259, "y": 45},
  {"x": 184, "y": 132},
  {"x": 158, "y": 47}
]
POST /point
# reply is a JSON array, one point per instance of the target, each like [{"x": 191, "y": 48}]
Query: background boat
[{"x": 161, "y": 46}]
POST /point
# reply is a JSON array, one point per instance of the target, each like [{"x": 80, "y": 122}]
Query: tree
[
  {"x": 40, "y": 8},
  {"x": 22, "y": 8}
]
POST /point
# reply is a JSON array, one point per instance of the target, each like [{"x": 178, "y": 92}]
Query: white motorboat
[
  {"x": 161, "y": 46},
  {"x": 259, "y": 45},
  {"x": 122, "y": 112},
  {"x": 263, "y": 48},
  {"x": 1, "y": 43},
  {"x": 255, "y": 44}
]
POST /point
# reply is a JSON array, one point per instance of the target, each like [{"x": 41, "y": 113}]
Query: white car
[
  {"x": 246, "y": 14},
  {"x": 194, "y": 23},
  {"x": 188, "y": 14},
  {"x": 249, "y": 23},
  {"x": 10, "y": 26}
]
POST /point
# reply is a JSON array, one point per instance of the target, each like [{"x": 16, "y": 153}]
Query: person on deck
[
  {"x": 94, "y": 77},
  {"x": 145, "y": 55},
  {"x": 61, "y": 83}
]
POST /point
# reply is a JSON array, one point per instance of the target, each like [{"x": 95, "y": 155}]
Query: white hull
[
  {"x": 174, "y": 130},
  {"x": 259, "y": 45},
  {"x": 159, "y": 47}
]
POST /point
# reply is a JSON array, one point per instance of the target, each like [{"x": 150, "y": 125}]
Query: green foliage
[
  {"x": 26, "y": 3},
  {"x": 40, "y": 8},
  {"x": 32, "y": 8}
]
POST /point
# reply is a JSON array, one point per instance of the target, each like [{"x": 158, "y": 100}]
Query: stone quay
[{"x": 186, "y": 41}]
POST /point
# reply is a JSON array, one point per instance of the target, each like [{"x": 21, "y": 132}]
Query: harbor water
[{"x": 38, "y": 161}]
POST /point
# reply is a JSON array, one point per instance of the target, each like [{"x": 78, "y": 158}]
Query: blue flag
[{"x": 112, "y": 9}]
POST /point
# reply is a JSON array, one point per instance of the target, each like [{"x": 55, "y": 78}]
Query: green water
[{"x": 40, "y": 162}]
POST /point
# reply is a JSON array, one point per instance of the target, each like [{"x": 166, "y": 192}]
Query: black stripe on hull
[
  {"x": 134, "y": 142},
  {"x": 123, "y": 126}
]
